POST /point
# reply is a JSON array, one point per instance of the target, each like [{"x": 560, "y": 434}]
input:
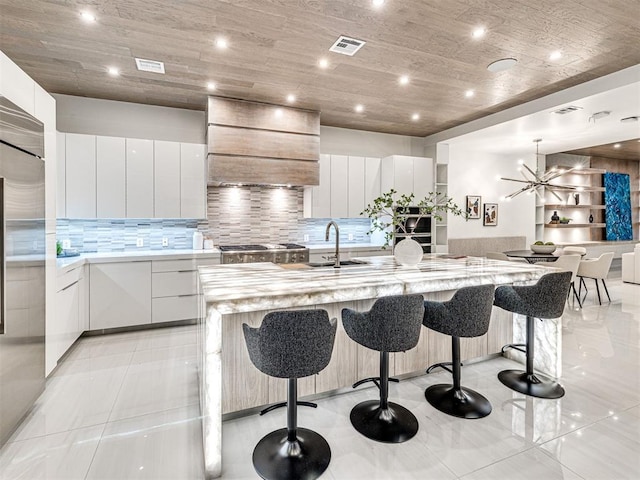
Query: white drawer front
[
  {"x": 173, "y": 265},
  {"x": 171, "y": 284},
  {"x": 170, "y": 309},
  {"x": 66, "y": 279}
]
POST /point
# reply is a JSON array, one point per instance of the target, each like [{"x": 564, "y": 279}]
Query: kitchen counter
[
  {"x": 244, "y": 293},
  {"x": 66, "y": 264}
]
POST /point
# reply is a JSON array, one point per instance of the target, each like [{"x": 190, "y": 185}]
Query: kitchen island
[{"x": 245, "y": 293}]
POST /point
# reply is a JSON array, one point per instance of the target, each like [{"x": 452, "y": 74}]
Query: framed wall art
[
  {"x": 490, "y": 214},
  {"x": 473, "y": 206}
]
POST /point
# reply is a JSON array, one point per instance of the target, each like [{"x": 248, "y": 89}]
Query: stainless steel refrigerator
[{"x": 22, "y": 269}]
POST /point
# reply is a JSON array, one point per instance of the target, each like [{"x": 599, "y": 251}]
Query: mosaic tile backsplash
[{"x": 235, "y": 215}]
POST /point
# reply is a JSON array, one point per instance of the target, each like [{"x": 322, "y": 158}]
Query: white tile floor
[{"x": 126, "y": 407}]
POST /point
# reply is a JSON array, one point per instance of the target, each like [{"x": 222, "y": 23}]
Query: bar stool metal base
[
  {"x": 534, "y": 384},
  {"x": 463, "y": 403},
  {"x": 306, "y": 458},
  {"x": 394, "y": 424}
]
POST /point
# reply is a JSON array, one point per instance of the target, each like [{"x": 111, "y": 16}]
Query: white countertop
[
  {"x": 65, "y": 264},
  {"x": 261, "y": 286}
]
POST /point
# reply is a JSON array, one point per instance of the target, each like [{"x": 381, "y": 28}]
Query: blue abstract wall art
[{"x": 617, "y": 199}]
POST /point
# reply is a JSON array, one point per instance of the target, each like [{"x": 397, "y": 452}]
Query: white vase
[{"x": 408, "y": 252}]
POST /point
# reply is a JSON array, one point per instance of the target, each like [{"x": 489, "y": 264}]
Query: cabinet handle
[
  {"x": 187, "y": 295},
  {"x": 185, "y": 271},
  {"x": 68, "y": 286}
]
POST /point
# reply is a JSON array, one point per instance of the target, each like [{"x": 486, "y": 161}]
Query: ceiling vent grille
[
  {"x": 347, "y": 46},
  {"x": 569, "y": 109},
  {"x": 152, "y": 66}
]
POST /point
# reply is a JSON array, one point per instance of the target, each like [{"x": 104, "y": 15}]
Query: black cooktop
[{"x": 246, "y": 248}]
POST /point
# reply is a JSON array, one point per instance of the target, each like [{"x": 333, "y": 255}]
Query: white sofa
[{"x": 631, "y": 266}]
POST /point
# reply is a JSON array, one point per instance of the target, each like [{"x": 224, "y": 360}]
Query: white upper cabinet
[
  {"x": 166, "y": 179},
  {"x": 339, "y": 186},
  {"x": 371, "y": 179},
  {"x": 61, "y": 182},
  {"x": 347, "y": 185},
  {"x": 193, "y": 185},
  {"x": 115, "y": 177},
  {"x": 16, "y": 85},
  {"x": 111, "y": 174},
  {"x": 80, "y": 175},
  {"x": 407, "y": 175},
  {"x": 356, "y": 189},
  {"x": 139, "y": 178}
]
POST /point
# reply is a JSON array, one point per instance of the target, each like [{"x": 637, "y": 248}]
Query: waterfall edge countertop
[
  {"x": 242, "y": 293},
  {"x": 261, "y": 286}
]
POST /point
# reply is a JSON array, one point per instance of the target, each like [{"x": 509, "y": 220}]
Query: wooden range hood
[{"x": 261, "y": 144}]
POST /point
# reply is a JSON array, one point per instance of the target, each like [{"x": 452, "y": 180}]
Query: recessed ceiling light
[
  {"x": 478, "y": 32},
  {"x": 404, "y": 80},
  {"x": 211, "y": 86},
  {"x": 278, "y": 112},
  {"x": 377, "y": 3},
  {"x": 617, "y": 145},
  {"x": 555, "y": 55},
  {"x": 113, "y": 71},
  {"x": 501, "y": 65},
  {"x": 291, "y": 98},
  {"x": 359, "y": 108},
  {"x": 88, "y": 17},
  {"x": 323, "y": 63},
  {"x": 221, "y": 43},
  {"x": 469, "y": 93},
  {"x": 415, "y": 116}
]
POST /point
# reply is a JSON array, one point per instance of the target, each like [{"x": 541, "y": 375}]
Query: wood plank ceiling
[
  {"x": 629, "y": 150},
  {"x": 274, "y": 47}
]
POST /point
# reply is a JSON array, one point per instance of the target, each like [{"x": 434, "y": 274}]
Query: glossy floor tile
[{"x": 125, "y": 406}]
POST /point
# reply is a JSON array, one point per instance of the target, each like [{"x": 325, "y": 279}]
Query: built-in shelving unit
[
  {"x": 440, "y": 240},
  {"x": 583, "y": 182},
  {"x": 576, "y": 225}
]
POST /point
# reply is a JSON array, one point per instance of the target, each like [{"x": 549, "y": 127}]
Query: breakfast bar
[{"x": 244, "y": 293}]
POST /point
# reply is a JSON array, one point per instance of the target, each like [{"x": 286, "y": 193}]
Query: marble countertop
[
  {"x": 66, "y": 264},
  {"x": 262, "y": 286}
]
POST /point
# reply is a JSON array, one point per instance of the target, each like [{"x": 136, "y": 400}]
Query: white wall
[
  {"x": 123, "y": 119},
  {"x": 345, "y": 141},
  {"x": 474, "y": 173},
  {"x": 93, "y": 116}
]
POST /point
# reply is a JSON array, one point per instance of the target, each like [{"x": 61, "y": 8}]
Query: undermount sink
[{"x": 343, "y": 263}]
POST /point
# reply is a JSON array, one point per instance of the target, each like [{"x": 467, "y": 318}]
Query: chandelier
[{"x": 536, "y": 180}]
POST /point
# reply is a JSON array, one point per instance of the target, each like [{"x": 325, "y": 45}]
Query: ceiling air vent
[
  {"x": 569, "y": 109},
  {"x": 152, "y": 66},
  {"x": 347, "y": 46}
]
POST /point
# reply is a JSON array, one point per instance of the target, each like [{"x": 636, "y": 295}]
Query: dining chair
[{"x": 597, "y": 269}]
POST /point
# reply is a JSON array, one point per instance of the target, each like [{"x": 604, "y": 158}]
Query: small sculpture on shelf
[
  {"x": 591, "y": 218},
  {"x": 554, "y": 218},
  {"x": 576, "y": 198}
]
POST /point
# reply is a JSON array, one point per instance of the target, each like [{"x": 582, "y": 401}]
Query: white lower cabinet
[
  {"x": 72, "y": 315},
  {"x": 120, "y": 294},
  {"x": 175, "y": 290}
]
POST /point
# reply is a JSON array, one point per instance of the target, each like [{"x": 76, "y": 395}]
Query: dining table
[{"x": 531, "y": 256}]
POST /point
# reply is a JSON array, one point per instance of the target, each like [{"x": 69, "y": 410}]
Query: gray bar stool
[
  {"x": 291, "y": 344},
  {"x": 467, "y": 314},
  {"x": 392, "y": 325},
  {"x": 545, "y": 299}
]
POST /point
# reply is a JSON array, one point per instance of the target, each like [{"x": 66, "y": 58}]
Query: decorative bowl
[{"x": 543, "y": 248}]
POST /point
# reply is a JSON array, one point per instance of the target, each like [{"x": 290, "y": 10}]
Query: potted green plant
[
  {"x": 564, "y": 220},
  {"x": 388, "y": 214}
]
